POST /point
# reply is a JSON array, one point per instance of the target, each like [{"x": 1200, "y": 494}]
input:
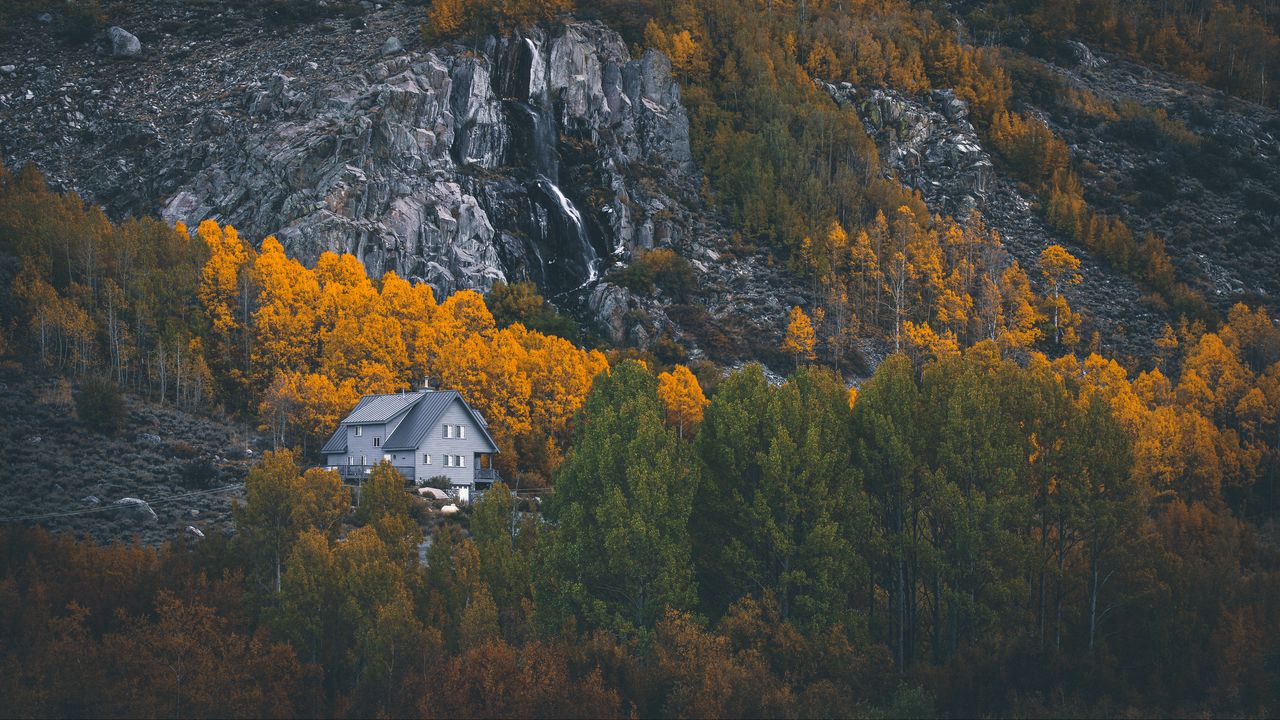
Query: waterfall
[
  {"x": 560, "y": 231},
  {"x": 542, "y": 138},
  {"x": 568, "y": 211}
]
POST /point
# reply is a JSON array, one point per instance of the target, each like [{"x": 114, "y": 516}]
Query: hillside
[
  {"x": 67, "y": 477},
  {"x": 554, "y": 157},
  {"x": 870, "y": 358}
]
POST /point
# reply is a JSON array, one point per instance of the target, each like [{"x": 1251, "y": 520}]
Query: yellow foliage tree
[
  {"x": 682, "y": 397},
  {"x": 800, "y": 339},
  {"x": 285, "y": 323},
  {"x": 1060, "y": 269}
]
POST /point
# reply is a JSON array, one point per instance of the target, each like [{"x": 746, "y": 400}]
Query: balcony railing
[
  {"x": 359, "y": 472},
  {"x": 489, "y": 475}
]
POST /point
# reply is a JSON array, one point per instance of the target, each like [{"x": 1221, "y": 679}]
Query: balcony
[
  {"x": 487, "y": 475},
  {"x": 357, "y": 473}
]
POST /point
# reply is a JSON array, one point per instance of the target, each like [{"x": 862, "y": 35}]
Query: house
[{"x": 424, "y": 434}]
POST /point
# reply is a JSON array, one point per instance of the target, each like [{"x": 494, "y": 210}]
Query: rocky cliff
[
  {"x": 557, "y": 156},
  {"x": 551, "y": 156}
]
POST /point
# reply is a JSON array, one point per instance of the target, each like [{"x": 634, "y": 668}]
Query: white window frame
[
  {"x": 359, "y": 431},
  {"x": 462, "y": 432},
  {"x": 462, "y": 461},
  {"x": 448, "y": 461},
  {"x": 377, "y": 442},
  {"x": 426, "y": 458},
  {"x": 448, "y": 432}
]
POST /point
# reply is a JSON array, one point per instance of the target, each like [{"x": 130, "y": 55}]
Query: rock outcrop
[
  {"x": 552, "y": 156},
  {"x": 399, "y": 164}
]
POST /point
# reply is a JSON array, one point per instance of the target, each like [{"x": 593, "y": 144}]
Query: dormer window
[{"x": 359, "y": 431}]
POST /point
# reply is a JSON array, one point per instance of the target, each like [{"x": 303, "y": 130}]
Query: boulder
[
  {"x": 91, "y": 500},
  {"x": 148, "y": 439},
  {"x": 1083, "y": 56},
  {"x": 8, "y": 70},
  {"x": 392, "y": 46},
  {"x": 195, "y": 532},
  {"x": 137, "y": 509},
  {"x": 123, "y": 43},
  {"x": 449, "y": 509}
]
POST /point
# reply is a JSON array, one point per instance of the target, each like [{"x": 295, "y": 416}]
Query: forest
[
  {"x": 980, "y": 528},
  {"x": 1001, "y": 519}
]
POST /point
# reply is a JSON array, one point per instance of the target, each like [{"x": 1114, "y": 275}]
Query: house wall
[
  {"x": 438, "y": 446},
  {"x": 362, "y": 446}
]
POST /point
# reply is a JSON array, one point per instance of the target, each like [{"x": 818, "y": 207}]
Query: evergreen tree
[{"x": 619, "y": 551}]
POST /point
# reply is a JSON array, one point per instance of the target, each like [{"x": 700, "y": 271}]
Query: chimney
[{"x": 426, "y": 384}]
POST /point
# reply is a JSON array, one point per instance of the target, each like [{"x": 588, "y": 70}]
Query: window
[
  {"x": 448, "y": 461},
  {"x": 426, "y": 459},
  {"x": 362, "y": 460},
  {"x": 359, "y": 431},
  {"x": 461, "y": 461},
  {"x": 462, "y": 432},
  {"x": 377, "y": 442},
  {"x": 351, "y": 460},
  {"x": 448, "y": 431}
]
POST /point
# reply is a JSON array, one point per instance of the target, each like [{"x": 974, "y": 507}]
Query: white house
[{"x": 424, "y": 434}]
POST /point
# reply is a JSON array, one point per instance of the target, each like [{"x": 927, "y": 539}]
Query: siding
[
  {"x": 438, "y": 446},
  {"x": 358, "y": 446}
]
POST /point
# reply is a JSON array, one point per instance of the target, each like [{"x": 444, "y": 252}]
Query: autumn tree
[
  {"x": 800, "y": 339},
  {"x": 1060, "y": 269},
  {"x": 279, "y": 504},
  {"x": 682, "y": 397}
]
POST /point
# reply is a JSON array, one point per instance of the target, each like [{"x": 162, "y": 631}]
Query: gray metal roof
[
  {"x": 380, "y": 408},
  {"x": 423, "y": 417},
  {"x": 337, "y": 444}
]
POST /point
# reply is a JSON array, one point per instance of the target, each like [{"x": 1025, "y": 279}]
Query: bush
[
  {"x": 100, "y": 406},
  {"x": 81, "y": 21},
  {"x": 199, "y": 473},
  {"x": 520, "y": 302},
  {"x": 661, "y": 268}
]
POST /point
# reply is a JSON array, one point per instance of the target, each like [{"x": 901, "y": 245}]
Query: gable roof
[
  {"x": 424, "y": 410},
  {"x": 337, "y": 444},
  {"x": 381, "y": 408},
  {"x": 425, "y": 414}
]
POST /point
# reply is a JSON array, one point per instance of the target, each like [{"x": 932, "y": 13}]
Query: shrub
[
  {"x": 661, "y": 268},
  {"x": 100, "y": 406},
  {"x": 520, "y": 302},
  {"x": 81, "y": 21},
  {"x": 199, "y": 473}
]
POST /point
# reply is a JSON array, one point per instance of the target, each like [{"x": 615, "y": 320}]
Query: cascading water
[
  {"x": 567, "y": 211},
  {"x": 571, "y": 249}
]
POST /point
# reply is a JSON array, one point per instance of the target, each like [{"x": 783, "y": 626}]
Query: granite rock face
[
  {"x": 446, "y": 166},
  {"x": 552, "y": 156}
]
